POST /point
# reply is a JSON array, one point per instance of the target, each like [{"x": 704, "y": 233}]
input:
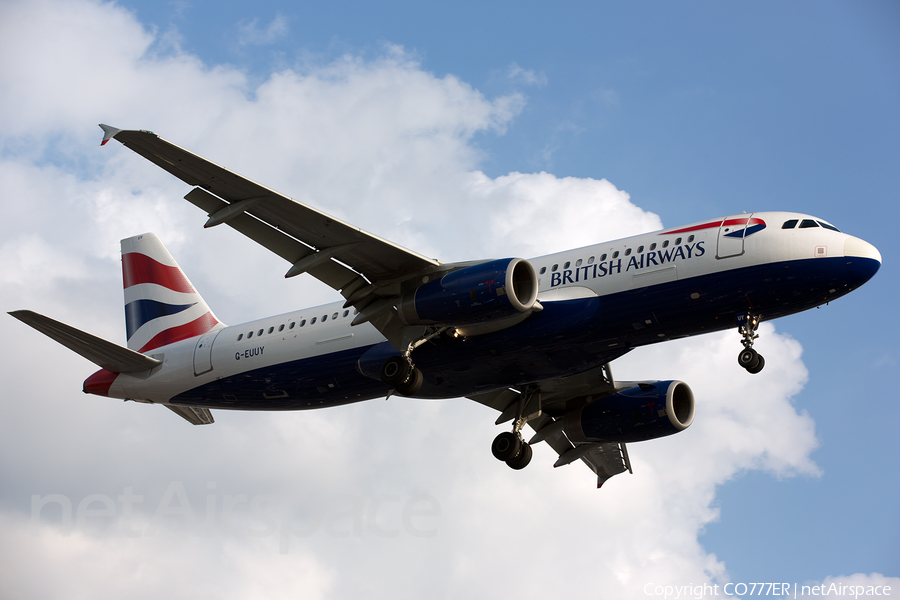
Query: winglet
[{"x": 108, "y": 133}]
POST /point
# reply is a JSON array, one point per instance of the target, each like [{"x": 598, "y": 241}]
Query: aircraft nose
[{"x": 863, "y": 260}]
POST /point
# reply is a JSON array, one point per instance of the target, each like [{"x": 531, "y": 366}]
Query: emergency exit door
[{"x": 203, "y": 352}]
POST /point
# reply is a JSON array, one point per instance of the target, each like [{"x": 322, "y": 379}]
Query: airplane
[{"x": 530, "y": 338}]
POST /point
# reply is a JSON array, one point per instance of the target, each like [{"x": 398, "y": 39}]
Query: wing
[
  {"x": 364, "y": 268},
  {"x": 543, "y": 406}
]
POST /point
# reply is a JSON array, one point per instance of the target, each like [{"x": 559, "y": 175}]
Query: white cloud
[
  {"x": 538, "y": 213},
  {"x": 116, "y": 566},
  {"x": 387, "y": 146},
  {"x": 250, "y": 32},
  {"x": 527, "y": 76}
]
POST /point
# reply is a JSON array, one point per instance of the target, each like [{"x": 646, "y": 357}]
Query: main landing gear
[
  {"x": 509, "y": 445},
  {"x": 511, "y": 448},
  {"x": 749, "y": 358},
  {"x": 400, "y": 373}
]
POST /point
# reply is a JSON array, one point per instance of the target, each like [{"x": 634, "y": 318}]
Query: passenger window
[
  {"x": 249, "y": 335},
  {"x": 578, "y": 262},
  {"x": 312, "y": 321},
  {"x": 302, "y": 322},
  {"x": 334, "y": 316},
  {"x": 790, "y": 224},
  {"x": 808, "y": 223},
  {"x": 602, "y": 258},
  {"x": 678, "y": 242},
  {"x": 554, "y": 268},
  {"x": 666, "y": 244},
  {"x": 652, "y": 246},
  {"x": 827, "y": 226},
  {"x": 543, "y": 270},
  {"x": 346, "y": 312},
  {"x": 240, "y": 337},
  {"x": 258, "y": 333},
  {"x": 281, "y": 327},
  {"x": 591, "y": 260},
  {"x": 291, "y": 325},
  {"x": 566, "y": 266},
  {"x": 271, "y": 329},
  {"x": 640, "y": 249},
  {"x": 616, "y": 254},
  {"x": 628, "y": 252},
  {"x": 690, "y": 239},
  {"x": 324, "y": 318}
]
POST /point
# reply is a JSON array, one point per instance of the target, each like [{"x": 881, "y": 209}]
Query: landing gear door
[
  {"x": 203, "y": 353},
  {"x": 731, "y": 236}
]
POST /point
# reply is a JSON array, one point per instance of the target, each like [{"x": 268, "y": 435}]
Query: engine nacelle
[
  {"x": 477, "y": 294},
  {"x": 644, "y": 412}
]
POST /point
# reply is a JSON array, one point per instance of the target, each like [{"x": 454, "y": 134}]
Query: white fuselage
[{"x": 635, "y": 265}]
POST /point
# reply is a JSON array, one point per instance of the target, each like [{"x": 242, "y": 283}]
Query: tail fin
[{"x": 161, "y": 305}]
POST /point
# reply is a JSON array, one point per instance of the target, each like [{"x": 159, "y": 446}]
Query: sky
[{"x": 461, "y": 132}]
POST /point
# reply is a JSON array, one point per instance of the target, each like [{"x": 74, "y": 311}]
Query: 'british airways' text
[{"x": 637, "y": 262}]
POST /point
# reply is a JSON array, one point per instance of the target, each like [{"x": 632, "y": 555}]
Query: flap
[{"x": 197, "y": 416}]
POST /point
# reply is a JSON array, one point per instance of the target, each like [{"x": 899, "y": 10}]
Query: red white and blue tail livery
[
  {"x": 532, "y": 338},
  {"x": 161, "y": 305}
]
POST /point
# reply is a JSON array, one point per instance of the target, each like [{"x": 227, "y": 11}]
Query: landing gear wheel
[
  {"x": 748, "y": 358},
  {"x": 759, "y": 366},
  {"x": 395, "y": 371},
  {"x": 751, "y": 360},
  {"x": 506, "y": 446},
  {"x": 521, "y": 461},
  {"x": 412, "y": 384}
]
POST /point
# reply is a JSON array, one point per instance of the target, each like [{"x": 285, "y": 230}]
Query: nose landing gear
[{"x": 749, "y": 358}]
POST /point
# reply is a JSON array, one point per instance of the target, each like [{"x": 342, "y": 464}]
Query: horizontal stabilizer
[
  {"x": 197, "y": 416},
  {"x": 109, "y": 356}
]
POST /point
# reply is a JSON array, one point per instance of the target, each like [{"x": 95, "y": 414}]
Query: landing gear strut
[
  {"x": 509, "y": 445},
  {"x": 749, "y": 358}
]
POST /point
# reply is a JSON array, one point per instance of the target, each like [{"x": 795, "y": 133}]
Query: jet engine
[
  {"x": 643, "y": 412},
  {"x": 485, "y": 292}
]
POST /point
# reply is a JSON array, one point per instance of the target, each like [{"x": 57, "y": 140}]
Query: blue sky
[{"x": 693, "y": 109}]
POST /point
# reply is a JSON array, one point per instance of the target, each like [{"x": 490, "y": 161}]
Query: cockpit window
[
  {"x": 790, "y": 224},
  {"x": 807, "y": 223},
  {"x": 828, "y": 226}
]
